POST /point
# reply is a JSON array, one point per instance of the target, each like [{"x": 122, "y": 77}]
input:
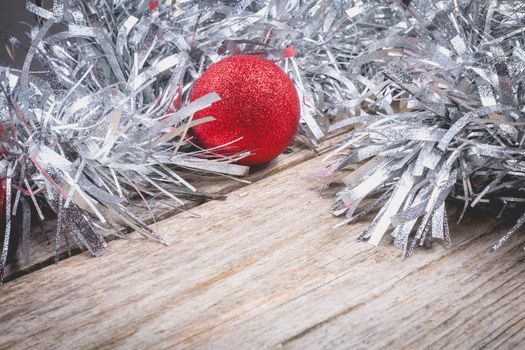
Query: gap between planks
[{"x": 265, "y": 269}]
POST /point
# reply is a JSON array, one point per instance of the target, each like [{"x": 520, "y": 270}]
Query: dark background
[{"x": 12, "y": 17}]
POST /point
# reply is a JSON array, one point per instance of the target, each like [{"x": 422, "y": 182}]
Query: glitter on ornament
[{"x": 258, "y": 112}]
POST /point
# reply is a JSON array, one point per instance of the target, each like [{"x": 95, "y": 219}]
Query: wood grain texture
[
  {"x": 265, "y": 269},
  {"x": 42, "y": 242}
]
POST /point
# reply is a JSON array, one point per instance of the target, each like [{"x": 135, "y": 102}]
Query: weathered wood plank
[
  {"x": 42, "y": 243},
  {"x": 466, "y": 299},
  {"x": 265, "y": 268}
]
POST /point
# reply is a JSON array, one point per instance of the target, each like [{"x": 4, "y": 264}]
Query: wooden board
[
  {"x": 42, "y": 243},
  {"x": 266, "y": 269}
]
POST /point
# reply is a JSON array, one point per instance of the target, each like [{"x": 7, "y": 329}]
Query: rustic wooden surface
[
  {"x": 265, "y": 269},
  {"x": 42, "y": 243}
]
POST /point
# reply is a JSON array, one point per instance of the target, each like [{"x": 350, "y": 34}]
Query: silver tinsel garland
[{"x": 439, "y": 114}]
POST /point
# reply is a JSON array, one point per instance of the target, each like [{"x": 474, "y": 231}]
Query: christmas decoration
[
  {"x": 97, "y": 120},
  {"x": 439, "y": 114},
  {"x": 434, "y": 88},
  {"x": 258, "y": 111}
]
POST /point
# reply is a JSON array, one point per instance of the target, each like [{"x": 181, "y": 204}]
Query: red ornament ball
[{"x": 259, "y": 104}]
